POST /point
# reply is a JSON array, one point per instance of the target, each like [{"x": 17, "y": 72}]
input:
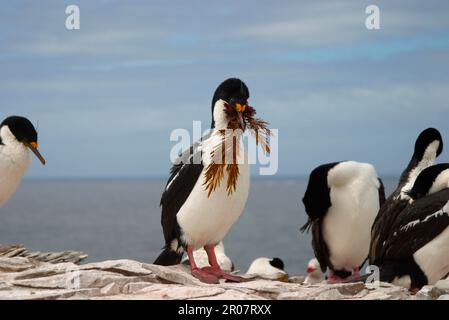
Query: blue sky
[{"x": 106, "y": 97}]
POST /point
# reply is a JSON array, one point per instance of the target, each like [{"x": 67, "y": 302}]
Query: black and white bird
[
  {"x": 341, "y": 201},
  {"x": 416, "y": 253},
  {"x": 17, "y": 137},
  {"x": 431, "y": 180},
  {"x": 203, "y": 199},
  {"x": 428, "y": 147},
  {"x": 268, "y": 268}
]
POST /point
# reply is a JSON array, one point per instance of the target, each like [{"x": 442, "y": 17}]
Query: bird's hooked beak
[
  {"x": 240, "y": 109},
  {"x": 33, "y": 147}
]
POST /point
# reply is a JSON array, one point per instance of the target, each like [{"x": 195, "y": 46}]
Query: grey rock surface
[{"x": 27, "y": 278}]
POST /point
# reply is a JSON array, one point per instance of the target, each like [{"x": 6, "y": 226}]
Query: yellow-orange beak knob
[
  {"x": 35, "y": 145},
  {"x": 240, "y": 108}
]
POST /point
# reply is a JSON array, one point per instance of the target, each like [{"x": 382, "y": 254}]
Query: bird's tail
[
  {"x": 168, "y": 257},
  {"x": 307, "y": 226}
]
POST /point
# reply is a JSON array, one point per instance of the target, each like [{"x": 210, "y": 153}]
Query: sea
[{"x": 120, "y": 219}]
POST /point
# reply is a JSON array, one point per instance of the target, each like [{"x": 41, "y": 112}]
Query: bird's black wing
[
  {"x": 383, "y": 224},
  {"x": 387, "y": 215},
  {"x": 317, "y": 199},
  {"x": 317, "y": 202},
  {"x": 320, "y": 248},
  {"x": 418, "y": 224},
  {"x": 183, "y": 177}
]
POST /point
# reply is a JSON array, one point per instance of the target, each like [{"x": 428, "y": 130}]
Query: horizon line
[{"x": 103, "y": 178}]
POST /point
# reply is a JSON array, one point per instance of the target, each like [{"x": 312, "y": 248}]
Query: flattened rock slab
[
  {"x": 387, "y": 293},
  {"x": 80, "y": 279},
  {"x": 16, "y": 264},
  {"x": 170, "y": 292},
  {"x": 297, "y": 279},
  {"x": 47, "y": 269},
  {"x": 376, "y": 295},
  {"x": 331, "y": 294},
  {"x": 231, "y": 294},
  {"x": 174, "y": 274},
  {"x": 110, "y": 289},
  {"x": 70, "y": 280},
  {"x": 133, "y": 287},
  {"x": 124, "y": 267},
  {"x": 309, "y": 292},
  {"x": 264, "y": 288},
  {"x": 430, "y": 292},
  {"x": 31, "y": 294}
]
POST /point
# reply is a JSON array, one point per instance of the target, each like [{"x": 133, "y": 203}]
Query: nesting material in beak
[
  {"x": 33, "y": 147},
  {"x": 241, "y": 121}
]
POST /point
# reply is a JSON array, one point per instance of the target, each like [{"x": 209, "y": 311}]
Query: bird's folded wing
[
  {"x": 417, "y": 225},
  {"x": 183, "y": 177},
  {"x": 320, "y": 247},
  {"x": 383, "y": 226}
]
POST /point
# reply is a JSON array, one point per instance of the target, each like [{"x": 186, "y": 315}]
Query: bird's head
[
  {"x": 17, "y": 130},
  {"x": 432, "y": 179},
  {"x": 230, "y": 105},
  {"x": 313, "y": 267},
  {"x": 429, "y": 144}
]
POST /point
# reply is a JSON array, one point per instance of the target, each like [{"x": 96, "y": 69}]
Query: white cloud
[{"x": 335, "y": 23}]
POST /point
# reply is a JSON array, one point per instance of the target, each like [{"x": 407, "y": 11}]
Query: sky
[{"x": 106, "y": 97}]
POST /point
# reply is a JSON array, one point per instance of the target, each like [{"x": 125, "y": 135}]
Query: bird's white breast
[
  {"x": 14, "y": 161},
  {"x": 347, "y": 224},
  {"x": 207, "y": 219}
]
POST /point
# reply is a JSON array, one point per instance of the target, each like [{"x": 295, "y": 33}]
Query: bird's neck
[{"x": 414, "y": 168}]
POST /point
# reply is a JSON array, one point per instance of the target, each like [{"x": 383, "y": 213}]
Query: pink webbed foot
[
  {"x": 333, "y": 278},
  {"x": 215, "y": 269},
  {"x": 223, "y": 275},
  {"x": 198, "y": 273},
  {"x": 204, "y": 276},
  {"x": 356, "y": 273},
  {"x": 354, "y": 276}
]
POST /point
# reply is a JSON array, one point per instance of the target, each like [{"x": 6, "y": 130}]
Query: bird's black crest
[
  {"x": 230, "y": 89},
  {"x": 21, "y": 128}
]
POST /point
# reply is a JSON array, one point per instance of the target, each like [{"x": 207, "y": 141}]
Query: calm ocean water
[{"x": 113, "y": 219}]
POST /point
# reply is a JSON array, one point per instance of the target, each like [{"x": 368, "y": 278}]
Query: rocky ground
[
  {"x": 53, "y": 257},
  {"x": 27, "y": 278}
]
